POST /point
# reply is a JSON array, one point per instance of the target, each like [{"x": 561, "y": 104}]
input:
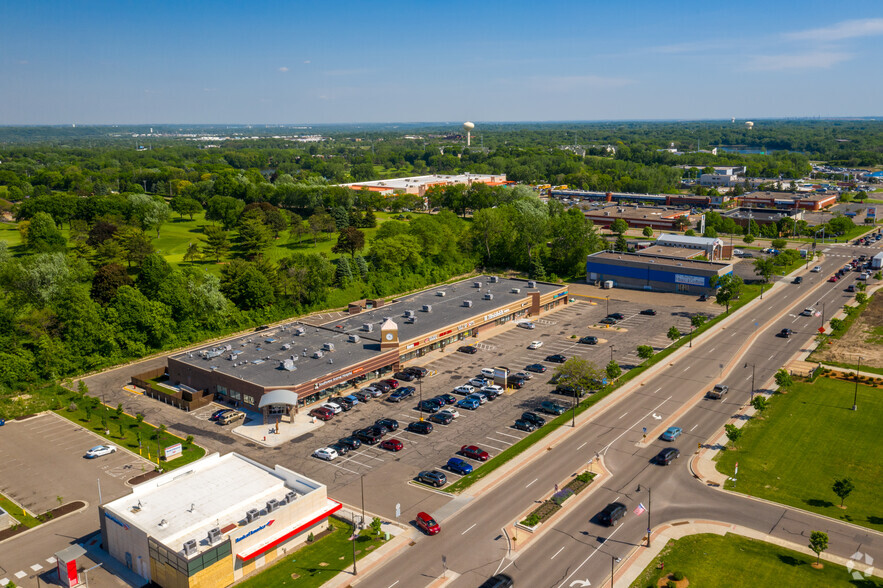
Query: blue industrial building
[{"x": 653, "y": 272}]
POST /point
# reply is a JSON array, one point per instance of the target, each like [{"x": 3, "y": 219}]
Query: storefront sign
[
  {"x": 691, "y": 280},
  {"x": 559, "y": 295},
  {"x": 334, "y": 379},
  {"x": 255, "y": 530},
  {"x": 173, "y": 451},
  {"x": 116, "y": 520},
  {"x": 494, "y": 315},
  {"x": 465, "y": 325}
]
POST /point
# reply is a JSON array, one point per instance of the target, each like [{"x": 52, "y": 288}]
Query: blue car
[
  {"x": 401, "y": 394},
  {"x": 469, "y": 403},
  {"x": 352, "y": 398},
  {"x": 672, "y": 433},
  {"x": 458, "y": 466}
]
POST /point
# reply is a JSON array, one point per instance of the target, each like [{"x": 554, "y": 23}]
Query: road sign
[
  {"x": 822, "y": 330},
  {"x": 644, "y": 429}
]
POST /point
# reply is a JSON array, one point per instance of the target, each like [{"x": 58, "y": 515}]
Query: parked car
[
  {"x": 785, "y": 333},
  {"x": 850, "y": 288},
  {"x": 648, "y": 312},
  {"x": 612, "y": 513},
  {"x": 392, "y": 445},
  {"x": 527, "y": 325},
  {"x": 427, "y": 523},
  {"x": 100, "y": 450},
  {"x": 492, "y": 389},
  {"x": 667, "y": 455},
  {"x": 391, "y": 383},
  {"x": 350, "y": 442},
  {"x": 534, "y": 418},
  {"x": 376, "y": 430},
  {"x": 703, "y": 298},
  {"x": 551, "y": 407},
  {"x": 608, "y": 321},
  {"x": 465, "y": 389},
  {"x": 671, "y": 433},
  {"x": 383, "y": 386},
  {"x": 616, "y": 315},
  {"x": 535, "y": 345},
  {"x": 474, "y": 452},
  {"x": 516, "y": 383},
  {"x": 459, "y": 466},
  {"x": 340, "y": 448},
  {"x": 333, "y": 407},
  {"x": 833, "y": 279},
  {"x": 322, "y": 413},
  {"x": 524, "y": 425},
  {"x": 451, "y": 411},
  {"x": 231, "y": 417},
  {"x": 864, "y": 276},
  {"x": 433, "y": 478},
  {"x": 478, "y": 382},
  {"x": 404, "y": 376},
  {"x": 218, "y": 413},
  {"x": 390, "y": 424},
  {"x": 470, "y": 349},
  {"x": 589, "y": 340},
  {"x": 523, "y": 375},
  {"x": 429, "y": 405},
  {"x": 469, "y": 403},
  {"x": 568, "y": 390},
  {"x": 557, "y": 358},
  {"x": 817, "y": 269},
  {"x": 421, "y": 427},
  {"x": 536, "y": 367},
  {"x": 354, "y": 400},
  {"x": 401, "y": 394},
  {"x": 446, "y": 398},
  {"x": 420, "y": 372},
  {"x": 442, "y": 418},
  {"x": 487, "y": 373},
  {"x": 325, "y": 453},
  {"x": 362, "y": 396},
  {"x": 344, "y": 403},
  {"x": 368, "y": 436}
]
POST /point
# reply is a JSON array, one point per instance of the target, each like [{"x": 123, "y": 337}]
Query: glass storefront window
[{"x": 248, "y": 399}]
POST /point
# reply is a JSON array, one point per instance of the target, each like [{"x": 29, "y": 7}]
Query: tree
[
  {"x": 689, "y": 233},
  {"x": 155, "y": 271},
  {"x": 254, "y": 237},
  {"x": 119, "y": 410},
  {"x": 621, "y": 244},
  {"x": 42, "y": 236},
  {"x": 297, "y": 227},
  {"x": 136, "y": 246},
  {"x": 351, "y": 240},
  {"x": 107, "y": 280},
  {"x": 861, "y": 298},
  {"x": 697, "y": 320},
  {"x": 681, "y": 223},
  {"x": 184, "y": 205},
  {"x": 305, "y": 277},
  {"x": 572, "y": 238},
  {"x": 818, "y": 542},
  {"x": 246, "y": 286},
  {"x": 647, "y": 232},
  {"x": 733, "y": 433},
  {"x": 710, "y": 232},
  {"x": 344, "y": 274},
  {"x": 645, "y": 351},
  {"x": 579, "y": 373},
  {"x": 361, "y": 267},
  {"x": 783, "y": 379},
  {"x": 619, "y": 226},
  {"x": 215, "y": 242},
  {"x": 376, "y": 526},
  {"x": 779, "y": 243},
  {"x": 843, "y": 488},
  {"x": 729, "y": 288},
  {"x": 613, "y": 370},
  {"x": 764, "y": 267},
  {"x": 150, "y": 212},
  {"x": 748, "y": 239},
  {"x": 193, "y": 253},
  {"x": 321, "y": 223},
  {"x": 759, "y": 403},
  {"x": 673, "y": 333}
]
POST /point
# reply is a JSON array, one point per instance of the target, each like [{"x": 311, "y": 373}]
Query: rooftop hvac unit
[
  {"x": 286, "y": 347},
  {"x": 272, "y": 505},
  {"x": 214, "y": 535},
  {"x": 410, "y": 320},
  {"x": 516, "y": 290},
  {"x": 318, "y": 354},
  {"x": 288, "y": 365},
  {"x": 531, "y": 284},
  {"x": 190, "y": 547},
  {"x": 354, "y": 338},
  {"x": 299, "y": 330},
  {"x": 427, "y": 308},
  {"x": 409, "y": 313},
  {"x": 328, "y": 346},
  {"x": 368, "y": 328},
  {"x": 252, "y": 515},
  {"x": 290, "y": 497},
  {"x": 494, "y": 279},
  {"x": 476, "y": 284},
  {"x": 488, "y": 296},
  {"x": 440, "y": 293},
  {"x": 467, "y": 303}
]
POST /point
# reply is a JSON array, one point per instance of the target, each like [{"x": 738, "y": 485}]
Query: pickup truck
[{"x": 717, "y": 392}]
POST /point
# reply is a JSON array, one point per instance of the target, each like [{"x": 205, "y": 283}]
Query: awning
[
  {"x": 278, "y": 397},
  {"x": 288, "y": 534}
]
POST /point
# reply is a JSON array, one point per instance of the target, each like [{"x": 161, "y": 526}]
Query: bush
[
  {"x": 671, "y": 584},
  {"x": 72, "y": 407},
  {"x": 311, "y": 538},
  {"x": 562, "y": 495},
  {"x": 531, "y": 521},
  {"x": 677, "y": 576}
]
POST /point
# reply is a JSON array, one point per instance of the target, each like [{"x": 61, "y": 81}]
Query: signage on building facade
[
  {"x": 494, "y": 315},
  {"x": 116, "y": 520},
  {"x": 255, "y": 530},
  {"x": 173, "y": 451},
  {"x": 334, "y": 379},
  {"x": 691, "y": 280}
]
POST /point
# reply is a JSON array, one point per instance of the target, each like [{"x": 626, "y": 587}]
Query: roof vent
[
  {"x": 214, "y": 535},
  {"x": 252, "y": 515},
  {"x": 328, "y": 347},
  {"x": 409, "y": 313},
  {"x": 494, "y": 279},
  {"x": 368, "y": 328},
  {"x": 516, "y": 290},
  {"x": 488, "y": 296},
  {"x": 476, "y": 284},
  {"x": 190, "y": 547},
  {"x": 290, "y": 497},
  {"x": 531, "y": 284},
  {"x": 354, "y": 338},
  {"x": 318, "y": 354},
  {"x": 427, "y": 308},
  {"x": 299, "y": 331},
  {"x": 286, "y": 347},
  {"x": 467, "y": 303},
  {"x": 440, "y": 293}
]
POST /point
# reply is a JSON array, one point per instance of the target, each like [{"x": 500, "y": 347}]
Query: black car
[
  {"x": 648, "y": 312},
  {"x": 351, "y": 442},
  {"x": 340, "y": 448},
  {"x": 404, "y": 376},
  {"x": 785, "y": 333},
  {"x": 433, "y": 478},
  {"x": 429, "y": 405},
  {"x": 616, "y": 315},
  {"x": 446, "y": 398},
  {"x": 390, "y": 424},
  {"x": 468, "y": 349},
  {"x": 703, "y": 298},
  {"x": 667, "y": 455},
  {"x": 524, "y": 425},
  {"x": 557, "y": 358},
  {"x": 376, "y": 430},
  {"x": 498, "y": 581},
  {"x": 608, "y": 321},
  {"x": 536, "y": 367},
  {"x": 442, "y": 418},
  {"x": 589, "y": 340},
  {"x": 344, "y": 403},
  {"x": 382, "y": 386},
  {"x": 421, "y": 427},
  {"x": 534, "y": 418},
  {"x": 367, "y": 436},
  {"x": 611, "y": 513},
  {"x": 798, "y": 280},
  {"x": 416, "y": 371},
  {"x": 568, "y": 390},
  {"x": 516, "y": 383}
]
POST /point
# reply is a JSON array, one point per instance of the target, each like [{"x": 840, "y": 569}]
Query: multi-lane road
[{"x": 475, "y": 546}]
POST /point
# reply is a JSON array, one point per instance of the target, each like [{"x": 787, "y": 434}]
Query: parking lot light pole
[
  {"x": 855, "y": 396},
  {"x": 420, "y": 405},
  {"x": 691, "y": 335},
  {"x": 608, "y": 306},
  {"x": 612, "y": 349}
]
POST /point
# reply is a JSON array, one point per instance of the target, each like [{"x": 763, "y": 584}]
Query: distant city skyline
[{"x": 350, "y": 62}]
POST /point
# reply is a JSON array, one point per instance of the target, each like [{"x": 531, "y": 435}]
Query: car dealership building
[{"x": 319, "y": 360}]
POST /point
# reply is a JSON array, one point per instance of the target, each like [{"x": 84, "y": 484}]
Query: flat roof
[
  {"x": 686, "y": 239},
  {"x": 214, "y": 491},
  {"x": 679, "y": 252},
  {"x": 415, "y": 181},
  {"x": 658, "y": 260},
  {"x": 788, "y": 196},
  {"x": 638, "y": 213}
]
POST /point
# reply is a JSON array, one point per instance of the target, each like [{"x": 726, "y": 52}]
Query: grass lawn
[
  {"x": 17, "y": 513},
  {"x": 732, "y": 561},
  {"x": 334, "y": 549},
  {"x": 805, "y": 440}
]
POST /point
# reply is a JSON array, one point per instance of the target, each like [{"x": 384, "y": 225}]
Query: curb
[{"x": 43, "y": 525}]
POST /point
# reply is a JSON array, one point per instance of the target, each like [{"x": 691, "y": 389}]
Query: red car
[
  {"x": 833, "y": 279},
  {"x": 427, "y": 523},
  {"x": 392, "y": 383},
  {"x": 391, "y": 444},
  {"x": 473, "y": 452},
  {"x": 322, "y": 413}
]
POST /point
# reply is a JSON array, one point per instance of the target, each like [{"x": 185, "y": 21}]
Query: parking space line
[
  {"x": 499, "y": 441},
  {"x": 492, "y": 447},
  {"x": 507, "y": 435},
  {"x": 343, "y": 468}
]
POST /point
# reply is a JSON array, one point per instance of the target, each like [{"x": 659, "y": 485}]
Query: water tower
[
  {"x": 468, "y": 126},
  {"x": 749, "y": 125}
]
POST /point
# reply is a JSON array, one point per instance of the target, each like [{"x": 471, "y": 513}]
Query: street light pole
[
  {"x": 649, "y": 504},
  {"x": 420, "y": 405},
  {"x": 573, "y": 408},
  {"x": 608, "y": 306},
  {"x": 355, "y": 534},
  {"x": 362, "y": 482},
  {"x": 855, "y": 396},
  {"x": 612, "y": 349},
  {"x": 691, "y": 335}
]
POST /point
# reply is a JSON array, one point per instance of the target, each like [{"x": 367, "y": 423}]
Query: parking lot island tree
[
  {"x": 843, "y": 488},
  {"x": 577, "y": 372},
  {"x": 645, "y": 351},
  {"x": 674, "y": 333}
]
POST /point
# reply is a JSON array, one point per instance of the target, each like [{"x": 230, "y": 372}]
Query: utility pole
[
  {"x": 420, "y": 405},
  {"x": 691, "y": 335},
  {"x": 608, "y": 306},
  {"x": 612, "y": 349}
]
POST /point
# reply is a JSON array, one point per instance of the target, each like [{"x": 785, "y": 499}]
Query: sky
[{"x": 298, "y": 62}]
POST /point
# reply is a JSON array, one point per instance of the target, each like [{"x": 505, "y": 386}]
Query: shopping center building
[
  {"x": 213, "y": 521},
  {"x": 319, "y": 360}
]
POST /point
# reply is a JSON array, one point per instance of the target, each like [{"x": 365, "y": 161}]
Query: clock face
[{"x": 389, "y": 336}]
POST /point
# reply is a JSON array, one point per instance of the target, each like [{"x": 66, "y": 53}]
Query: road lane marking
[
  {"x": 467, "y": 530},
  {"x": 581, "y": 446},
  {"x": 557, "y": 552},
  {"x": 694, "y": 426},
  {"x": 393, "y": 584},
  {"x": 535, "y": 479},
  {"x": 620, "y": 418},
  {"x": 712, "y": 349},
  {"x": 628, "y": 430},
  {"x": 597, "y": 549}
]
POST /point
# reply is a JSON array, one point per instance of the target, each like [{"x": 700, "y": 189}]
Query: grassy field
[
  {"x": 17, "y": 513},
  {"x": 732, "y": 561},
  {"x": 805, "y": 440},
  {"x": 304, "y": 568}
]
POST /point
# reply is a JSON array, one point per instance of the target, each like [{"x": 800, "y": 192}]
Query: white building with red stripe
[{"x": 214, "y": 521}]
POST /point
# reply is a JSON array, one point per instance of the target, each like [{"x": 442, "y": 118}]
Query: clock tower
[{"x": 389, "y": 335}]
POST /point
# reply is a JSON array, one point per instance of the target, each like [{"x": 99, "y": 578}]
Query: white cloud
[
  {"x": 283, "y": 69},
  {"x": 848, "y": 29},
  {"x": 811, "y": 60}
]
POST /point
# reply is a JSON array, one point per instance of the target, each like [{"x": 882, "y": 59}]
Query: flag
[{"x": 639, "y": 509}]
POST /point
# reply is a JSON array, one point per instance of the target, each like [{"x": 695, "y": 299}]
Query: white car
[
  {"x": 464, "y": 389},
  {"x": 535, "y": 345},
  {"x": 494, "y": 388},
  {"x": 333, "y": 407},
  {"x": 451, "y": 411},
  {"x": 808, "y": 311},
  {"x": 487, "y": 372},
  {"x": 325, "y": 453},
  {"x": 864, "y": 276},
  {"x": 527, "y": 325},
  {"x": 100, "y": 450},
  {"x": 478, "y": 382},
  {"x": 817, "y": 269}
]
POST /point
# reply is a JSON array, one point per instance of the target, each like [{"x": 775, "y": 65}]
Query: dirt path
[{"x": 864, "y": 339}]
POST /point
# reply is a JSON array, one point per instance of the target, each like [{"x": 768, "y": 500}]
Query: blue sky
[{"x": 123, "y": 62}]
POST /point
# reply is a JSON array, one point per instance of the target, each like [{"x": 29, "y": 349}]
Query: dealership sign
[
  {"x": 253, "y": 531},
  {"x": 173, "y": 451},
  {"x": 116, "y": 520},
  {"x": 494, "y": 315},
  {"x": 691, "y": 280}
]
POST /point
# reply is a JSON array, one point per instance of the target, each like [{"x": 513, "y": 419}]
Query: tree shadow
[
  {"x": 875, "y": 520},
  {"x": 791, "y": 561},
  {"x": 818, "y": 503}
]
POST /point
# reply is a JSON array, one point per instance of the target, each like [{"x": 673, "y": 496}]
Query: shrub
[
  {"x": 585, "y": 477},
  {"x": 562, "y": 495},
  {"x": 310, "y": 538},
  {"x": 671, "y": 584},
  {"x": 72, "y": 407},
  {"x": 677, "y": 576},
  {"x": 532, "y": 521},
  {"x": 189, "y": 440}
]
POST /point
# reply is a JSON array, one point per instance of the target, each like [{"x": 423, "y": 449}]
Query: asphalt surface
[{"x": 577, "y": 548}]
